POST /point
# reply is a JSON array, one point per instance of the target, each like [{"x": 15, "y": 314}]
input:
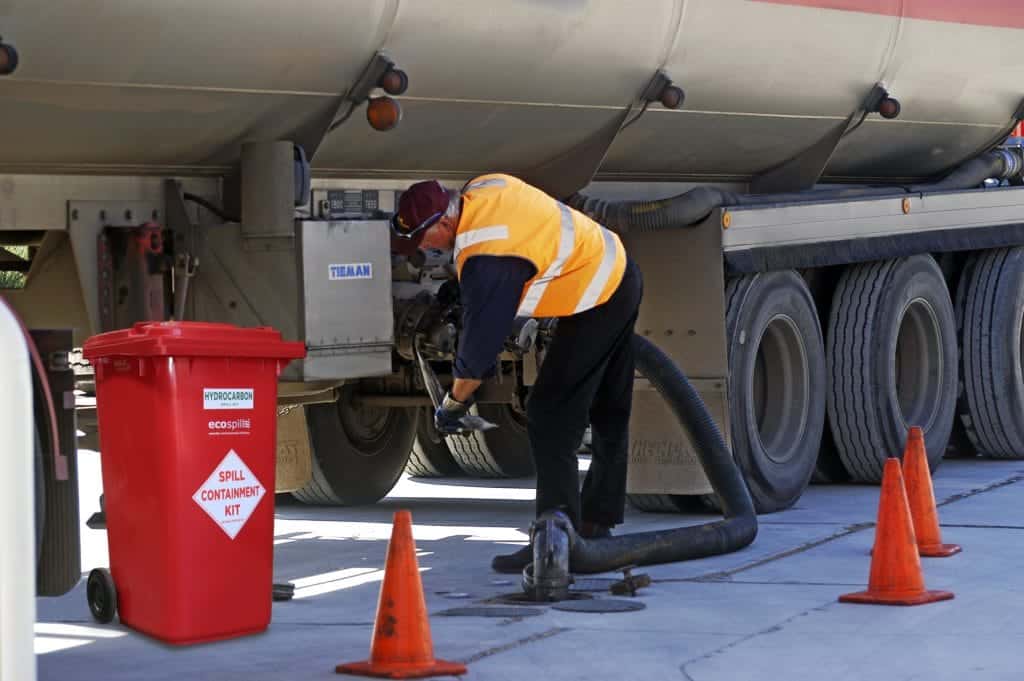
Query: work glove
[
  {"x": 448, "y": 417},
  {"x": 453, "y": 417}
]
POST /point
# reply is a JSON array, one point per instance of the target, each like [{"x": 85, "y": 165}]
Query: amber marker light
[
  {"x": 672, "y": 97},
  {"x": 383, "y": 113},
  {"x": 394, "y": 82},
  {"x": 889, "y": 108}
]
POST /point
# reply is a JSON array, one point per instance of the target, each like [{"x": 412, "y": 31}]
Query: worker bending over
[{"x": 520, "y": 253}]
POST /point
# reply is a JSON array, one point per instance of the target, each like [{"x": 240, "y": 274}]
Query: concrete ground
[{"x": 767, "y": 612}]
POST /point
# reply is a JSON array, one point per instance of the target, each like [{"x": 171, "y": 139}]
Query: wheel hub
[
  {"x": 366, "y": 426},
  {"x": 781, "y": 389},
  {"x": 918, "y": 364}
]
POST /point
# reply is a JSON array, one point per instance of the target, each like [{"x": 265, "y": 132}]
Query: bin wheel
[{"x": 102, "y": 595}]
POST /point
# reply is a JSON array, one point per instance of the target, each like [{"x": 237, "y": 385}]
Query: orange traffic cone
[
  {"x": 401, "y": 647},
  {"x": 918, "y": 480},
  {"x": 896, "y": 577}
]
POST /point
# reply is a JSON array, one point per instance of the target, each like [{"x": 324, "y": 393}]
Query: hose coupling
[{"x": 547, "y": 578}]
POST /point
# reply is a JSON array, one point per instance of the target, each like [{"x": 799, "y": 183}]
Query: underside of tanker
[{"x": 835, "y": 253}]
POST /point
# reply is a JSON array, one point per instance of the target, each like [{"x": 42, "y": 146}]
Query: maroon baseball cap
[{"x": 419, "y": 207}]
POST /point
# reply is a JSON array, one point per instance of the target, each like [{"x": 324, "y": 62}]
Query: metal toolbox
[{"x": 346, "y": 313}]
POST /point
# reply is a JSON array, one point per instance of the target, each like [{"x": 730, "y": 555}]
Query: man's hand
[
  {"x": 463, "y": 389},
  {"x": 447, "y": 418}
]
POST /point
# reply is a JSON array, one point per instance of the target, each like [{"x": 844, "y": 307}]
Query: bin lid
[{"x": 192, "y": 339}]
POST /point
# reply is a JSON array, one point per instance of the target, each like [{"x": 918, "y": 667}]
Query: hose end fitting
[
  {"x": 1013, "y": 163},
  {"x": 547, "y": 579}
]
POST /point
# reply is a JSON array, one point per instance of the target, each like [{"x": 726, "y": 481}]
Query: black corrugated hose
[
  {"x": 693, "y": 206},
  {"x": 736, "y": 530}
]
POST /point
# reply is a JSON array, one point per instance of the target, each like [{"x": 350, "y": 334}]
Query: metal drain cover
[
  {"x": 492, "y": 611},
  {"x": 599, "y": 605},
  {"x": 520, "y": 598}
]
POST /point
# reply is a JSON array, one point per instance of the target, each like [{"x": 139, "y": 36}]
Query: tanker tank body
[{"x": 193, "y": 125}]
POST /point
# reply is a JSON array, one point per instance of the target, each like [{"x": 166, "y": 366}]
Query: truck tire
[
  {"x": 777, "y": 385},
  {"x": 358, "y": 452},
  {"x": 60, "y": 553},
  {"x": 962, "y": 441},
  {"x": 658, "y": 503},
  {"x": 500, "y": 453},
  {"x": 993, "y": 345},
  {"x": 892, "y": 360},
  {"x": 829, "y": 468},
  {"x": 59, "y": 566},
  {"x": 39, "y": 477},
  {"x": 430, "y": 456}
]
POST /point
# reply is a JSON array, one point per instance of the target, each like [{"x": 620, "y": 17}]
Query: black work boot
[{"x": 513, "y": 563}]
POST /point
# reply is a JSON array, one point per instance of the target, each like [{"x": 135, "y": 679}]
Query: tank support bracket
[{"x": 804, "y": 170}]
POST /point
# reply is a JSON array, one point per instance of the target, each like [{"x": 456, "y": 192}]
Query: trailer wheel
[
  {"x": 778, "y": 383},
  {"x": 430, "y": 456},
  {"x": 963, "y": 441},
  {"x": 500, "y": 453},
  {"x": 359, "y": 451},
  {"x": 39, "y": 478},
  {"x": 59, "y": 565},
  {"x": 659, "y": 503},
  {"x": 829, "y": 468},
  {"x": 892, "y": 362},
  {"x": 993, "y": 347}
]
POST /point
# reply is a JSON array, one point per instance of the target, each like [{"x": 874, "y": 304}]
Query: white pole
[{"x": 17, "y": 510}]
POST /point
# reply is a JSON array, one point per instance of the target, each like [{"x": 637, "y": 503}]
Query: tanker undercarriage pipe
[{"x": 558, "y": 551}]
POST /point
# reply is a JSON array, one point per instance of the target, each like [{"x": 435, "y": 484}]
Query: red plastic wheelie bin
[{"x": 187, "y": 423}]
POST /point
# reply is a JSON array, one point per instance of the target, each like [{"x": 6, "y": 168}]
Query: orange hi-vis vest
[{"x": 579, "y": 263}]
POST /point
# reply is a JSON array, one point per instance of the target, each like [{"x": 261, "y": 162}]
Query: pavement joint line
[
  {"x": 799, "y": 522},
  {"x": 983, "y": 527},
  {"x": 756, "y": 582},
  {"x": 775, "y": 628},
  {"x": 540, "y": 636},
  {"x": 725, "y": 575},
  {"x": 981, "y": 490},
  {"x": 323, "y": 624}
]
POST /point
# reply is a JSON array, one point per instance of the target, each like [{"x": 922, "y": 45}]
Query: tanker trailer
[{"x": 821, "y": 195}]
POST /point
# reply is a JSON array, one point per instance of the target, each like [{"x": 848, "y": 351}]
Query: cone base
[
  {"x": 896, "y": 598},
  {"x": 939, "y": 550},
  {"x": 399, "y": 670}
]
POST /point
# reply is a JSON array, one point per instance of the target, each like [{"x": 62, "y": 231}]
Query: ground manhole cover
[
  {"x": 599, "y": 605},
  {"x": 492, "y": 611},
  {"x": 519, "y": 598}
]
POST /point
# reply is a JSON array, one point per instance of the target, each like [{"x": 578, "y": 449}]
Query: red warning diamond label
[{"x": 230, "y": 494}]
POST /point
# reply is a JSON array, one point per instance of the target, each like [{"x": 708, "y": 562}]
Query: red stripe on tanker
[{"x": 1001, "y": 13}]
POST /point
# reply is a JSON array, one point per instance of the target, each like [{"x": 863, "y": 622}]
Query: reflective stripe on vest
[
  {"x": 603, "y": 274},
  {"x": 566, "y": 242},
  {"x": 480, "y": 184},
  {"x": 579, "y": 264},
  {"x": 478, "y": 236}
]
